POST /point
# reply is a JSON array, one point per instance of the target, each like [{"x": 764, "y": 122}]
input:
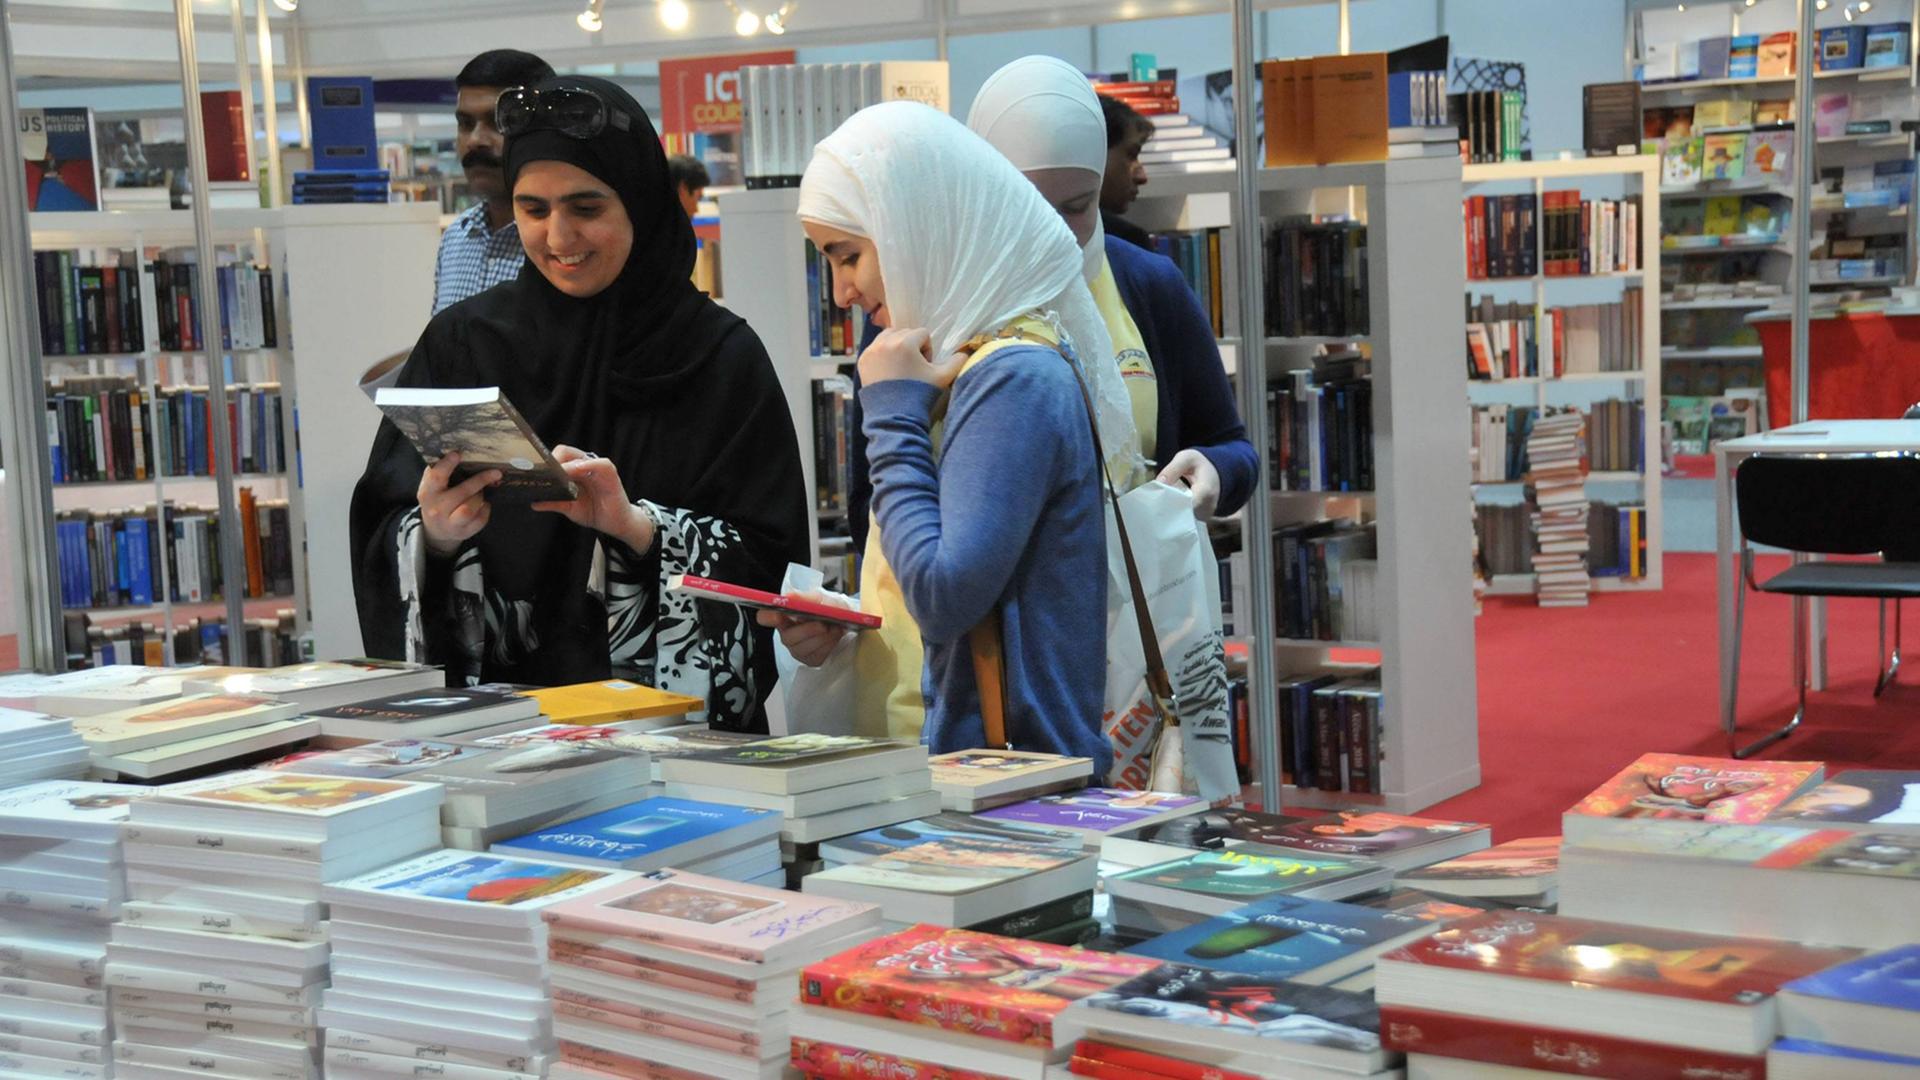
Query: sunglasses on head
[{"x": 570, "y": 110}]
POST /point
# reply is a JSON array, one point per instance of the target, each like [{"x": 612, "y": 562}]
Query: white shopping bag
[{"x": 1180, "y": 580}]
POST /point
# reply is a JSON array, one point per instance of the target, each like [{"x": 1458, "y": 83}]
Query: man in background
[
  {"x": 1127, "y": 132},
  {"x": 481, "y": 248},
  {"x": 690, "y": 179}
]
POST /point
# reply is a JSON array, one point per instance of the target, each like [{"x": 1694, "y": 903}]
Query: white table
[{"x": 1812, "y": 437}]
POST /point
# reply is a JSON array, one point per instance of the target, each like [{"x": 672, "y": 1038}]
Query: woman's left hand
[
  {"x": 1201, "y": 478},
  {"x": 907, "y": 354},
  {"x": 602, "y": 505}
]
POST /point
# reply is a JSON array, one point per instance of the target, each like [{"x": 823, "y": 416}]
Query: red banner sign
[{"x": 702, "y": 95}]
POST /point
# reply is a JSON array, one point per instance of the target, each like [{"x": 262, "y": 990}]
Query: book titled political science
[
  {"x": 488, "y": 433},
  {"x": 647, "y": 834},
  {"x": 1872, "y": 1003},
  {"x": 423, "y": 714},
  {"x": 791, "y": 764},
  {"x": 1525, "y": 867},
  {"x": 1880, "y": 800},
  {"x": 967, "y": 983},
  {"x": 726, "y": 592},
  {"x": 1309, "y": 941},
  {"x": 1214, "y": 882},
  {"x": 1098, "y": 812},
  {"x": 1556, "y": 1050},
  {"x": 467, "y": 886},
  {"x": 1672, "y": 987},
  {"x": 1682, "y": 793},
  {"x": 1229, "y": 1019},
  {"x": 708, "y": 916}
]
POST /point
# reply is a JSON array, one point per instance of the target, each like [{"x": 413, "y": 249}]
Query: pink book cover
[
  {"x": 714, "y": 916},
  {"x": 594, "y": 1061},
  {"x": 645, "y": 972},
  {"x": 661, "y": 1026},
  {"x": 1720, "y": 791}
]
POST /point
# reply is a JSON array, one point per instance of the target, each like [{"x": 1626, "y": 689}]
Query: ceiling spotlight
[
  {"x": 1750, "y": 3},
  {"x": 589, "y": 19},
  {"x": 287, "y": 5},
  {"x": 777, "y": 22},
  {"x": 746, "y": 24},
  {"x": 674, "y": 14},
  {"x": 1680, "y": 7},
  {"x": 1848, "y": 12},
  {"x": 1865, "y": 6},
  {"x": 1819, "y": 5}
]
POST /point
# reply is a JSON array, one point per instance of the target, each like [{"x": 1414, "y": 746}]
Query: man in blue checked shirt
[{"x": 481, "y": 248}]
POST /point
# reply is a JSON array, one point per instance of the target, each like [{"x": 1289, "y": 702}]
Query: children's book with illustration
[{"x": 1686, "y": 792}]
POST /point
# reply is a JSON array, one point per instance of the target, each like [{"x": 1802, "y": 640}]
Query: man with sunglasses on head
[{"x": 481, "y": 248}]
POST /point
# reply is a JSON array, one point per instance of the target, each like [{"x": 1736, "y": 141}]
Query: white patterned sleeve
[{"x": 464, "y": 619}]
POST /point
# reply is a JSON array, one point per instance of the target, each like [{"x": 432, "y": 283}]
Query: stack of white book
[
  {"x": 960, "y": 882},
  {"x": 425, "y": 714},
  {"x": 191, "y": 731},
  {"x": 495, "y": 793},
  {"x": 102, "y": 689},
  {"x": 1560, "y": 494},
  {"x": 632, "y": 736},
  {"x": 60, "y": 860},
  {"x": 1180, "y": 145},
  {"x": 223, "y": 955},
  {"x": 443, "y": 957},
  {"x": 737, "y": 843},
  {"x": 687, "y": 972},
  {"x": 323, "y": 683},
  {"x": 971, "y": 780},
  {"x": 35, "y": 746},
  {"x": 824, "y": 786}
]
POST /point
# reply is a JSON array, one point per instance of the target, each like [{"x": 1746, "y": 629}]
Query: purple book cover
[{"x": 1101, "y": 810}]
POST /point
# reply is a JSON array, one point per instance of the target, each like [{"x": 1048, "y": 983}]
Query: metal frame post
[
  {"x": 270, "y": 99},
  {"x": 233, "y": 589},
  {"x": 23, "y": 401},
  {"x": 1257, "y": 517}
]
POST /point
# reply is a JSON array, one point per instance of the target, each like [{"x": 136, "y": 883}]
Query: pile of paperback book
[{"x": 1560, "y": 496}]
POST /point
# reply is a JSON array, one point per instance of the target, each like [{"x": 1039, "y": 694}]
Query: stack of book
[
  {"x": 1207, "y": 266},
  {"x": 732, "y": 842},
  {"x": 1318, "y": 942},
  {"x": 967, "y": 882},
  {"x": 1209, "y": 830},
  {"x": 786, "y": 108},
  {"x": 494, "y": 794},
  {"x": 1617, "y": 539},
  {"x": 35, "y": 746},
  {"x": 444, "y": 957},
  {"x": 424, "y": 714},
  {"x": 1177, "y": 894},
  {"x": 1330, "y": 730},
  {"x": 226, "y": 952},
  {"x": 89, "y": 302},
  {"x": 1526, "y": 990},
  {"x": 1180, "y": 145},
  {"x": 676, "y": 971},
  {"x": 613, "y": 700},
  {"x": 629, "y": 736},
  {"x": 188, "y": 732},
  {"x": 60, "y": 859},
  {"x": 1183, "y": 1021},
  {"x": 1560, "y": 497},
  {"x": 1857, "y": 1020},
  {"x": 323, "y": 683},
  {"x": 1096, "y": 813},
  {"x": 972, "y": 780},
  {"x": 1396, "y": 841},
  {"x": 824, "y": 785},
  {"x": 947, "y": 999},
  {"x": 1523, "y": 872},
  {"x": 1317, "y": 278},
  {"x": 946, "y": 825},
  {"x": 1322, "y": 427}
]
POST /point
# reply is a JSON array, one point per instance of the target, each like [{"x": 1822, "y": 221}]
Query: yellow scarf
[{"x": 889, "y": 663}]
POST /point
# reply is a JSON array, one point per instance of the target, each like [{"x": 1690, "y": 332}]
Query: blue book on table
[
  {"x": 1819, "y": 1049},
  {"x": 1889, "y": 979},
  {"x": 650, "y": 834},
  {"x": 1284, "y": 937}
]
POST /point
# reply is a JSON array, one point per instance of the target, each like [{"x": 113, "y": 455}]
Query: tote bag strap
[{"x": 985, "y": 641}]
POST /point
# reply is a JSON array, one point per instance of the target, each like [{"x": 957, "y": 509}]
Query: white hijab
[
  {"x": 1041, "y": 112},
  {"x": 966, "y": 244}
]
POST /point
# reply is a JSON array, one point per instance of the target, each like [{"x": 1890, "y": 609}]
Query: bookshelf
[
  {"x": 1642, "y": 386},
  {"x": 344, "y": 319},
  {"x": 1429, "y": 746}
]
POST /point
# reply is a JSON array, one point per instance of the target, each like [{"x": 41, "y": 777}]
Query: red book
[
  {"x": 1156, "y": 88},
  {"x": 727, "y": 592},
  {"x": 836, "y": 1062},
  {"x": 966, "y": 982},
  {"x": 226, "y": 133},
  {"x": 1615, "y": 957},
  {"x": 1479, "y": 233},
  {"x": 1105, "y": 1060},
  {"x": 1688, "y": 792},
  {"x": 1529, "y": 1046}
]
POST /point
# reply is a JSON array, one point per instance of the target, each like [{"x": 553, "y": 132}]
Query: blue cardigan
[{"x": 1197, "y": 409}]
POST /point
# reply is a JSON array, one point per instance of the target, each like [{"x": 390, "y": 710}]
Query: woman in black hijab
[{"x": 661, "y": 405}]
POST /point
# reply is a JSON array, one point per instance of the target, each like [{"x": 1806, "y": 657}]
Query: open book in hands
[{"x": 484, "y": 428}]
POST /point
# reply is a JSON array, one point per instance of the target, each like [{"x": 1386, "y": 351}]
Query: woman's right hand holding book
[
  {"x": 810, "y": 641},
  {"x": 451, "y": 514}
]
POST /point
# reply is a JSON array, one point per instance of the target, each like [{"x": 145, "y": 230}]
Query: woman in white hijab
[
  {"x": 987, "y": 496},
  {"x": 1043, "y": 115}
]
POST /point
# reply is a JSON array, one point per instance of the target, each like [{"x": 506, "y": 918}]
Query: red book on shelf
[
  {"x": 832, "y": 1061},
  {"x": 1527, "y": 1046},
  {"x": 967, "y": 982},
  {"x": 1157, "y": 88},
  {"x": 226, "y": 134},
  {"x": 726, "y": 592},
  {"x": 1106, "y": 1061},
  {"x": 1615, "y": 956}
]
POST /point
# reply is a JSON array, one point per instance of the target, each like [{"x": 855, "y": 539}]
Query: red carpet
[{"x": 1569, "y": 695}]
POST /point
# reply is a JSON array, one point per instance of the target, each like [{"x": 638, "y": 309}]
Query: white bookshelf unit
[
  {"x": 1642, "y": 171},
  {"x": 1429, "y": 742},
  {"x": 342, "y": 318}
]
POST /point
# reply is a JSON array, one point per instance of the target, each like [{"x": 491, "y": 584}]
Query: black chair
[{"x": 1827, "y": 504}]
